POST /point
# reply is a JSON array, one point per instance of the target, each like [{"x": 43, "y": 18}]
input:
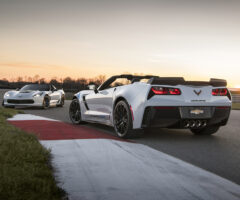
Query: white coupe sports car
[
  {"x": 34, "y": 95},
  {"x": 129, "y": 103}
]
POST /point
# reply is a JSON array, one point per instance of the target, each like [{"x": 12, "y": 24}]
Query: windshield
[{"x": 40, "y": 87}]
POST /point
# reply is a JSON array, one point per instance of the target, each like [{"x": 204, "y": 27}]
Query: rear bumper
[{"x": 177, "y": 117}]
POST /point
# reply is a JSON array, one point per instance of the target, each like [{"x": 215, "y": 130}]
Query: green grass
[
  {"x": 25, "y": 168},
  {"x": 236, "y": 106}
]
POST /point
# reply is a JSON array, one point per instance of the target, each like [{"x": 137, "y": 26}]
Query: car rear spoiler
[{"x": 180, "y": 81}]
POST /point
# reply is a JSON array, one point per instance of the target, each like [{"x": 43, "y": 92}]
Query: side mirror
[
  {"x": 54, "y": 89},
  {"x": 17, "y": 89},
  {"x": 95, "y": 90}
]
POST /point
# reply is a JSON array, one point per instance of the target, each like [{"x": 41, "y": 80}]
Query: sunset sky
[{"x": 196, "y": 39}]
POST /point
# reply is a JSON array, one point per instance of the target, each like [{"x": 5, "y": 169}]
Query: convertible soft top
[{"x": 157, "y": 80}]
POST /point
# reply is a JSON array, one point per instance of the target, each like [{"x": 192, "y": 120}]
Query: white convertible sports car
[
  {"x": 129, "y": 103},
  {"x": 34, "y": 95}
]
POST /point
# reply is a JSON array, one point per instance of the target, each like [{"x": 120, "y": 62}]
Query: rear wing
[{"x": 180, "y": 81}]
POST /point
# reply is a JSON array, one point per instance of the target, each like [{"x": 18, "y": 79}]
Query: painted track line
[{"x": 56, "y": 130}]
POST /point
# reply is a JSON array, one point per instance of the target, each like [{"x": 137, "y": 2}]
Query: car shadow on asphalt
[{"x": 159, "y": 134}]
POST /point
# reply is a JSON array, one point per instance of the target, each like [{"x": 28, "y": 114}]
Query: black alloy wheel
[
  {"x": 61, "y": 102},
  {"x": 75, "y": 112},
  {"x": 46, "y": 103},
  {"x": 123, "y": 123}
]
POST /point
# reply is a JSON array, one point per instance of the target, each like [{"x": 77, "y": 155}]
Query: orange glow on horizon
[
  {"x": 12, "y": 71},
  {"x": 237, "y": 86}
]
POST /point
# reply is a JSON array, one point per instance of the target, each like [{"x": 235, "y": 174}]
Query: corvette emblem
[
  {"x": 197, "y": 111},
  {"x": 197, "y": 92}
]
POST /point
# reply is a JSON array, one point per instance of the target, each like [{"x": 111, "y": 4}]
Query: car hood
[{"x": 24, "y": 94}]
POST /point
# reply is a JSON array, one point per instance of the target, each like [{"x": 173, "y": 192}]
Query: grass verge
[
  {"x": 236, "y": 106},
  {"x": 25, "y": 170}
]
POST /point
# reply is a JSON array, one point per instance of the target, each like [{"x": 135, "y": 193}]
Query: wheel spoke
[
  {"x": 121, "y": 119},
  {"x": 75, "y": 112}
]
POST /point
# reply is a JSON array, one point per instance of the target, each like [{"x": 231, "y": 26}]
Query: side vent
[{"x": 85, "y": 103}]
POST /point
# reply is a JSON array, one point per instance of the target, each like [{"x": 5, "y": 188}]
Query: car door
[{"x": 100, "y": 104}]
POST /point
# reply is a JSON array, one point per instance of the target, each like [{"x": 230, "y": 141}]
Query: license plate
[{"x": 196, "y": 112}]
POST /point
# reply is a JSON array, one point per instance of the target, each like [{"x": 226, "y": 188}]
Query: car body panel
[
  {"x": 101, "y": 104},
  {"x": 19, "y": 98}
]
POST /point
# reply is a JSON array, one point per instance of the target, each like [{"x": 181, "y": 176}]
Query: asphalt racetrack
[{"x": 219, "y": 154}]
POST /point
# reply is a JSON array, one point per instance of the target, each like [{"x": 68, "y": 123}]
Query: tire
[
  {"x": 46, "y": 102},
  {"x": 75, "y": 112},
  {"x": 206, "y": 131},
  {"x": 122, "y": 120},
  {"x": 61, "y": 102}
]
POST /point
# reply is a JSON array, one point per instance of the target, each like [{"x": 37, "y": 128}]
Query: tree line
[{"x": 68, "y": 84}]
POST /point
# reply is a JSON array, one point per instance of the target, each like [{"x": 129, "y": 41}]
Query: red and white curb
[{"x": 93, "y": 165}]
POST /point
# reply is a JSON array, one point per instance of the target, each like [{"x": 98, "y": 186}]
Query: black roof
[
  {"x": 172, "y": 80},
  {"x": 157, "y": 80}
]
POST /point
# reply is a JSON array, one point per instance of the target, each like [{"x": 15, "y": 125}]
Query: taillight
[
  {"x": 165, "y": 91},
  {"x": 174, "y": 91},
  {"x": 159, "y": 90},
  {"x": 220, "y": 92}
]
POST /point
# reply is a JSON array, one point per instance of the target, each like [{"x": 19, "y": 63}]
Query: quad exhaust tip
[{"x": 195, "y": 123}]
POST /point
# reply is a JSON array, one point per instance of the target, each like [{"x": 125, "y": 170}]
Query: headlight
[
  {"x": 6, "y": 95},
  {"x": 38, "y": 94}
]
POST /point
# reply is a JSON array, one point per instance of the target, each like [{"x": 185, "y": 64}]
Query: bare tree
[
  {"x": 29, "y": 79},
  {"x": 19, "y": 79},
  {"x": 42, "y": 80},
  {"x": 36, "y": 78}
]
